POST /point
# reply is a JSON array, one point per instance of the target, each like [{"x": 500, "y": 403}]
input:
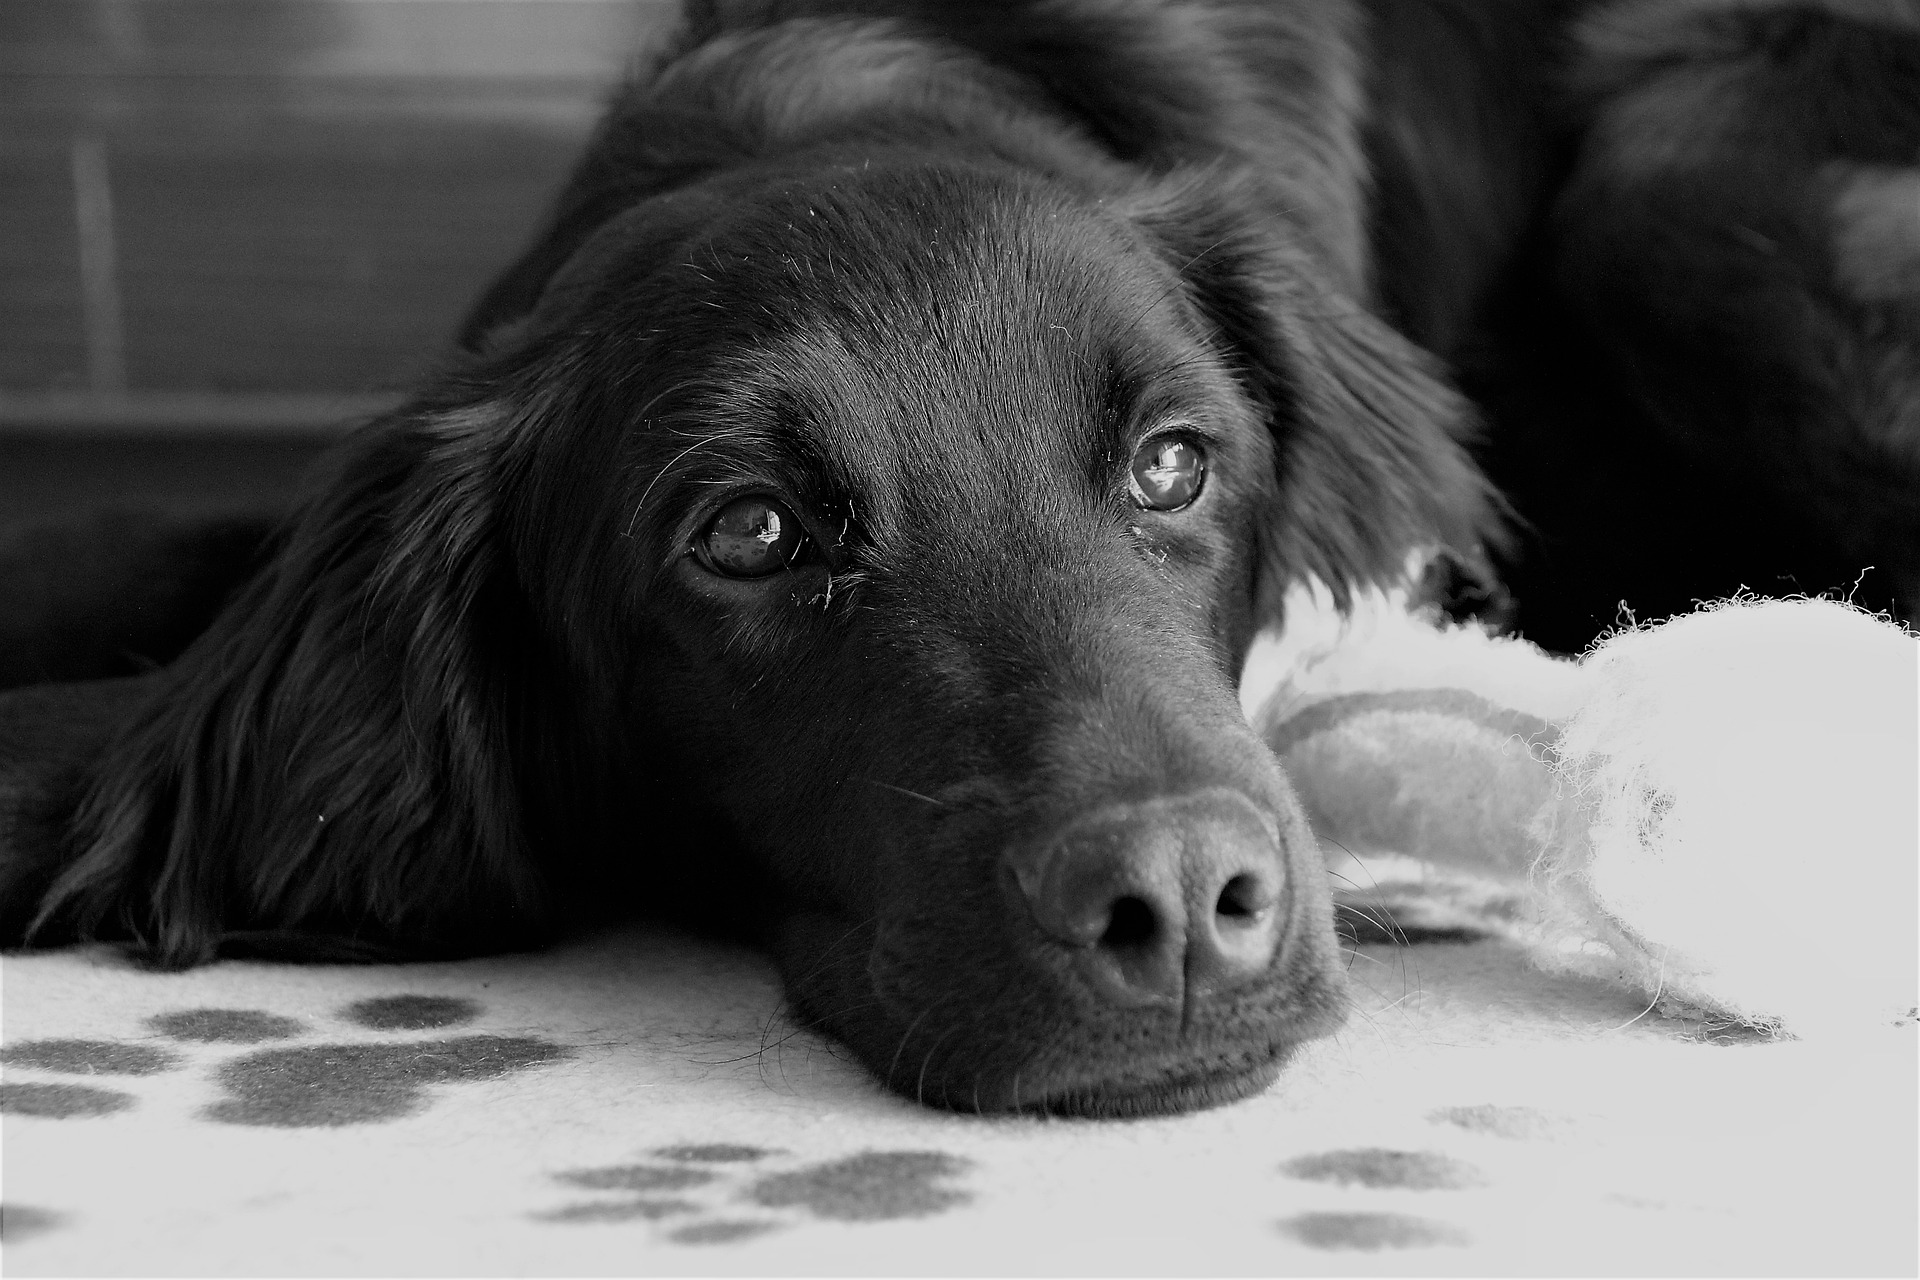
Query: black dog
[{"x": 850, "y": 520}]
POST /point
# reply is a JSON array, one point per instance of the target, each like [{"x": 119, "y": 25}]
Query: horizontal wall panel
[
  {"x": 275, "y": 198},
  {"x": 512, "y": 39}
]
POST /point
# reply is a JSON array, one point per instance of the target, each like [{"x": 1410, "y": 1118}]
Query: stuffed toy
[{"x": 1721, "y": 811}]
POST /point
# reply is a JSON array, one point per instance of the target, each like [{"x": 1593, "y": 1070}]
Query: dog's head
[{"x": 887, "y": 531}]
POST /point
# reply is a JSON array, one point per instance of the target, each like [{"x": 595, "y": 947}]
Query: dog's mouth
[
  {"x": 1166, "y": 1081},
  {"x": 1180, "y": 1085},
  {"x": 1175, "y": 1092},
  {"x": 1059, "y": 1053},
  {"x": 1160, "y": 956}
]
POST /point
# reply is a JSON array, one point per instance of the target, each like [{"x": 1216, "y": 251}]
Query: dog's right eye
[
  {"x": 1167, "y": 474},
  {"x": 750, "y": 538}
]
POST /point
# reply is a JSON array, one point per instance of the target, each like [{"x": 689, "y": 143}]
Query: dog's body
[{"x": 851, "y": 516}]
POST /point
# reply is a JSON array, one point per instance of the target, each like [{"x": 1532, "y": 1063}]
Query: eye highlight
[
  {"x": 1167, "y": 474},
  {"x": 750, "y": 538}
]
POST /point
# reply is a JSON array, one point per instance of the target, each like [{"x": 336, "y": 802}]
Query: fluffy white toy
[{"x": 1721, "y": 811}]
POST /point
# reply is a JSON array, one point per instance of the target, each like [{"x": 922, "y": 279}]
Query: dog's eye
[
  {"x": 750, "y": 538},
  {"x": 1167, "y": 473}
]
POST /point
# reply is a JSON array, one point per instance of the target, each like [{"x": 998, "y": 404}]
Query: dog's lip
[
  {"x": 1174, "y": 1093},
  {"x": 1171, "y": 1083}
]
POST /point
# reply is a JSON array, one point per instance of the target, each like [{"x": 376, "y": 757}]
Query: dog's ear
[
  {"x": 333, "y": 756},
  {"x": 1371, "y": 443}
]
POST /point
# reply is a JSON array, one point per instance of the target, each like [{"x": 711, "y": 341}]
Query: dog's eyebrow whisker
[
  {"x": 938, "y": 804},
  {"x": 1180, "y": 281},
  {"x": 731, "y": 433}
]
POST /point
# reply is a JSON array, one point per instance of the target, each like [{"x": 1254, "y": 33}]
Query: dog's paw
[{"x": 1736, "y": 827}]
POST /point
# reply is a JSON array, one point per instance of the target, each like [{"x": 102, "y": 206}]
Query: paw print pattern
[
  {"x": 690, "y": 1194},
  {"x": 682, "y": 1190},
  {"x": 1379, "y": 1168},
  {"x": 291, "y": 1086},
  {"x": 19, "y": 1221},
  {"x": 1371, "y": 1231},
  {"x": 226, "y": 1026},
  {"x": 62, "y": 1101},
  {"x": 1519, "y": 1124}
]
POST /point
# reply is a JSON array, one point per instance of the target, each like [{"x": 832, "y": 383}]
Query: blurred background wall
[{"x": 228, "y": 228}]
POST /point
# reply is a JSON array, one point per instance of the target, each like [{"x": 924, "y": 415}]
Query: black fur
[{"x": 1694, "y": 393}]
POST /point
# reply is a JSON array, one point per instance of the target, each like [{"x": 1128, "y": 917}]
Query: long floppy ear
[
  {"x": 1371, "y": 443},
  {"x": 333, "y": 758}
]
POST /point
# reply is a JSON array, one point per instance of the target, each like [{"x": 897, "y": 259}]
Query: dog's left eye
[
  {"x": 1167, "y": 474},
  {"x": 750, "y": 538}
]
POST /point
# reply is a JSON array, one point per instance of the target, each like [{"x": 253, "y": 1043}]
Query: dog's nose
[{"x": 1161, "y": 900}]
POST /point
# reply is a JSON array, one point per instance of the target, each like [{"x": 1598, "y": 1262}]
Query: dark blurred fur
[
  {"x": 116, "y": 594},
  {"x": 1705, "y": 373}
]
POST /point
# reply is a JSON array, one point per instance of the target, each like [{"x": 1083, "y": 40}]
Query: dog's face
[
  {"x": 927, "y": 538},
  {"x": 889, "y": 535},
  {"x": 942, "y": 536}
]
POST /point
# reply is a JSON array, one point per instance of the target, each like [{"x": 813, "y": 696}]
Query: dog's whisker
[
  {"x": 732, "y": 433},
  {"x": 1376, "y": 911},
  {"x": 830, "y": 954},
  {"x": 906, "y": 1036},
  {"x": 1180, "y": 282},
  {"x": 938, "y": 804},
  {"x": 920, "y": 1085}
]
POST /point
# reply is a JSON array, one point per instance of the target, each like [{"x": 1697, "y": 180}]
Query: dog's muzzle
[{"x": 1160, "y": 901}]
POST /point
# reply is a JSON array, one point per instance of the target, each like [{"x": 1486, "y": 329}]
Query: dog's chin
[
  {"x": 1162, "y": 1084},
  {"x": 1130, "y": 1092},
  {"x": 1170, "y": 1094},
  {"x": 1099, "y": 1066}
]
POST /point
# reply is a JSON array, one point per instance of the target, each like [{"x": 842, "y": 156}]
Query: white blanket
[{"x": 637, "y": 1103}]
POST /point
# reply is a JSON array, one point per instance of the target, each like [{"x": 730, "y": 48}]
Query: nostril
[
  {"x": 1156, "y": 901},
  {"x": 1131, "y": 924},
  {"x": 1243, "y": 900}
]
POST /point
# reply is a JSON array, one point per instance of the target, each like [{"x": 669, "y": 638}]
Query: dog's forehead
[{"x": 902, "y": 322}]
